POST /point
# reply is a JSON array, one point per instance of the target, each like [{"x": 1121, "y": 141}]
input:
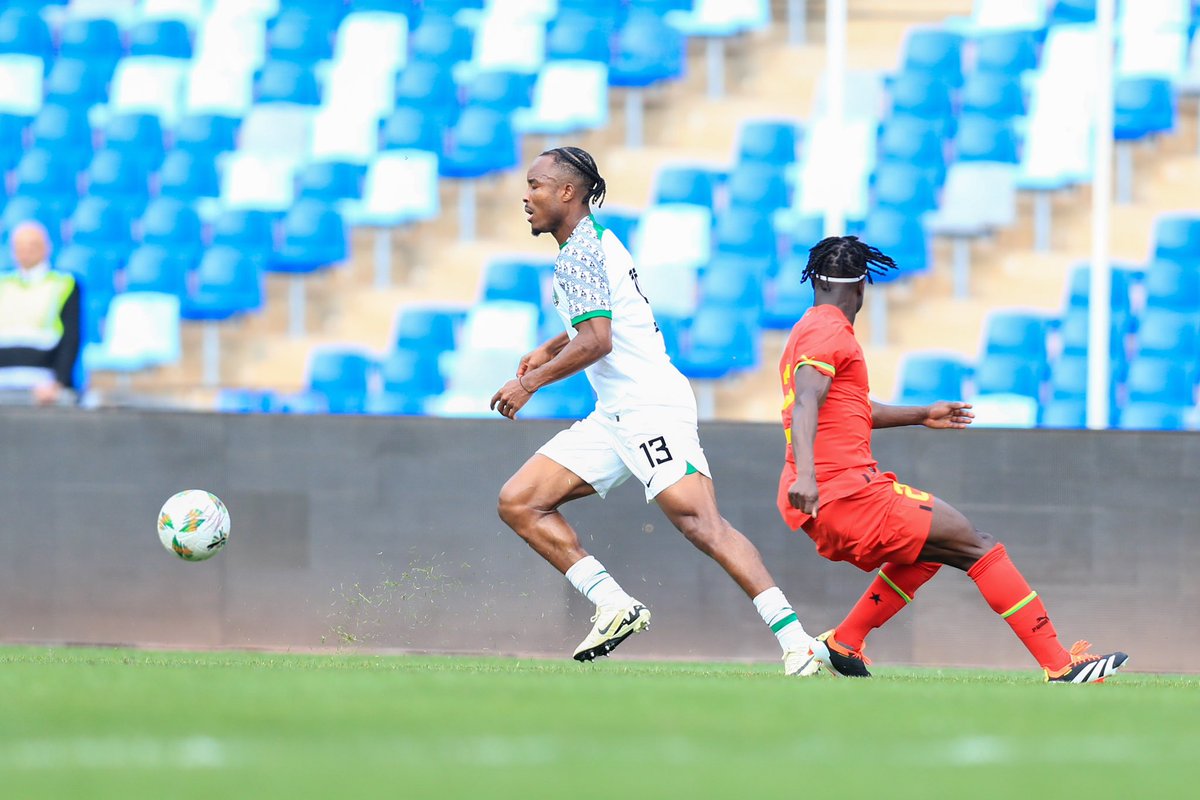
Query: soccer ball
[{"x": 194, "y": 525}]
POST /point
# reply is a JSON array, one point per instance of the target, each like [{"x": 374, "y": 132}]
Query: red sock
[
  {"x": 1006, "y": 591},
  {"x": 892, "y": 589}
]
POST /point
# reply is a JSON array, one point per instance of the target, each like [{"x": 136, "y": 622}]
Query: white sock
[
  {"x": 593, "y": 581},
  {"x": 775, "y": 610}
]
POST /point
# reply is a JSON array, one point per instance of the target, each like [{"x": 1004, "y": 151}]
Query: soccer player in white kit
[{"x": 644, "y": 423}]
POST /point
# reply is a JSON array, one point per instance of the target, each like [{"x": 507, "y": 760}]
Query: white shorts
[{"x": 658, "y": 445}]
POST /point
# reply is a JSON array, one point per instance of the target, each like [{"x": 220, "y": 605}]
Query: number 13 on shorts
[{"x": 656, "y": 451}]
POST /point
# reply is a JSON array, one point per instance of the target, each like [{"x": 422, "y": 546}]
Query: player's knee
[
  {"x": 704, "y": 533},
  {"x": 514, "y": 506}
]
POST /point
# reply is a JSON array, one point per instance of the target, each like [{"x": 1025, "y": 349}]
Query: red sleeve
[{"x": 826, "y": 352}]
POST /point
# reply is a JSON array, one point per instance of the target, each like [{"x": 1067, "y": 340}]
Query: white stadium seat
[
  {"x": 21, "y": 84},
  {"x": 149, "y": 85},
  {"x": 257, "y": 181},
  {"x": 141, "y": 331},
  {"x": 569, "y": 96},
  {"x": 501, "y": 324},
  {"x": 219, "y": 87},
  {"x": 344, "y": 134},
  {"x": 377, "y": 38},
  {"x": 401, "y": 186}
]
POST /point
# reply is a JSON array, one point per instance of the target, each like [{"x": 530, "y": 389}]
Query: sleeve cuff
[
  {"x": 821, "y": 366},
  {"x": 600, "y": 312}
]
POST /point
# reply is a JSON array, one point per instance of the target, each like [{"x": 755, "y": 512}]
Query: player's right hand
[
  {"x": 533, "y": 360},
  {"x": 803, "y": 494}
]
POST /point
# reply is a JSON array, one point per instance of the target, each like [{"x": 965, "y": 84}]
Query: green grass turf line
[{"x": 79, "y": 722}]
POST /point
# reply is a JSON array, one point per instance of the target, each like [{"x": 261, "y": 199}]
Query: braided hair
[
  {"x": 844, "y": 257},
  {"x": 581, "y": 163}
]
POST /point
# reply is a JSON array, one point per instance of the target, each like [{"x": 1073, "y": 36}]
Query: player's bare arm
[
  {"x": 942, "y": 414},
  {"x": 812, "y": 387},
  {"x": 592, "y": 343}
]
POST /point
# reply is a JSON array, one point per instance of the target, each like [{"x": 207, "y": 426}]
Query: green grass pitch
[{"x": 91, "y": 723}]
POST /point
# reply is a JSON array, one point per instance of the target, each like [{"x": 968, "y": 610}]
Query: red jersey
[{"x": 824, "y": 339}]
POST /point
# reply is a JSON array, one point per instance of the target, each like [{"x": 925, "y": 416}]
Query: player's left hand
[
  {"x": 948, "y": 414},
  {"x": 511, "y": 398}
]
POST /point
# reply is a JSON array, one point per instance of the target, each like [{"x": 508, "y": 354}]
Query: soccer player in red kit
[{"x": 832, "y": 487}]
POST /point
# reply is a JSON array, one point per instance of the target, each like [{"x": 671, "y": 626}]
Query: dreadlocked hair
[
  {"x": 844, "y": 257},
  {"x": 580, "y": 162}
]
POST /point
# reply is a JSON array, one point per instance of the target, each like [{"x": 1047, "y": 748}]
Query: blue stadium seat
[
  {"x": 141, "y": 330},
  {"x": 206, "y": 134},
  {"x": 96, "y": 41},
  {"x": 934, "y": 52},
  {"x": 787, "y": 296},
  {"x": 679, "y": 184},
  {"x": 919, "y": 95},
  {"x": 1017, "y": 334},
  {"x": 120, "y": 177},
  {"x": 342, "y": 378},
  {"x": 286, "y": 82},
  {"x": 570, "y": 398},
  {"x": 331, "y": 181},
  {"x": 187, "y": 176},
  {"x": 757, "y": 186},
  {"x": 430, "y": 88},
  {"x": 995, "y": 95},
  {"x": 622, "y": 222},
  {"x": 727, "y": 284},
  {"x": 44, "y": 175},
  {"x": 46, "y": 210},
  {"x": 720, "y": 342},
  {"x": 439, "y": 39},
  {"x": 12, "y": 140},
  {"x": 905, "y": 188},
  {"x": 1068, "y": 378},
  {"x": 581, "y": 36},
  {"x": 76, "y": 83},
  {"x": 1169, "y": 334},
  {"x": 1006, "y": 52},
  {"x": 1142, "y": 107},
  {"x": 1003, "y": 374},
  {"x": 427, "y": 330},
  {"x": 1161, "y": 380},
  {"x": 23, "y": 32},
  {"x": 1177, "y": 238},
  {"x": 314, "y": 236},
  {"x": 244, "y": 401},
  {"x": 155, "y": 268},
  {"x": 1063, "y": 414},
  {"x": 1172, "y": 286},
  {"x": 103, "y": 224},
  {"x": 982, "y": 138},
  {"x": 767, "y": 141},
  {"x": 1065, "y": 12},
  {"x": 483, "y": 142},
  {"x": 66, "y": 132},
  {"x": 915, "y": 142},
  {"x": 647, "y": 50},
  {"x": 160, "y": 37},
  {"x": 1153, "y": 416},
  {"x": 499, "y": 90},
  {"x": 228, "y": 283},
  {"x": 174, "y": 225},
  {"x": 901, "y": 236},
  {"x": 95, "y": 307},
  {"x": 297, "y": 35},
  {"x": 137, "y": 135},
  {"x": 248, "y": 230},
  {"x": 409, "y": 128},
  {"x": 414, "y": 373},
  {"x": 513, "y": 280},
  {"x": 926, "y": 378},
  {"x": 1079, "y": 288},
  {"x": 1074, "y": 334},
  {"x": 745, "y": 232},
  {"x": 95, "y": 269}
]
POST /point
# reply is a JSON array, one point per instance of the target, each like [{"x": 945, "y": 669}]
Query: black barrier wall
[{"x": 377, "y": 532}]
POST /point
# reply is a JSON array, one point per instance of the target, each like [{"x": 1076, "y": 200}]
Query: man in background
[{"x": 39, "y": 324}]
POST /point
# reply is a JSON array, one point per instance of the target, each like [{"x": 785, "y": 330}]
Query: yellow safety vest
[{"x": 31, "y": 311}]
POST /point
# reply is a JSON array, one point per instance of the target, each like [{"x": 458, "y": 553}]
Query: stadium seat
[
  {"x": 297, "y": 36},
  {"x": 1063, "y": 414},
  {"x": 503, "y": 43},
  {"x": 191, "y": 12},
  {"x": 993, "y": 95},
  {"x": 96, "y": 41},
  {"x": 1172, "y": 286},
  {"x": 673, "y": 234},
  {"x": 344, "y": 134},
  {"x": 378, "y": 35},
  {"x": 24, "y": 33},
  {"x": 483, "y": 142},
  {"x": 501, "y": 90},
  {"x": 1004, "y": 16},
  {"x": 244, "y": 401},
  {"x": 188, "y": 177},
  {"x": 1006, "y": 53},
  {"x": 1079, "y": 288},
  {"x": 1007, "y": 374},
  {"x": 154, "y": 268},
  {"x": 409, "y": 128},
  {"x": 218, "y": 87},
  {"x": 331, "y": 181},
  {"x": 95, "y": 269},
  {"x": 745, "y": 232},
  {"x": 568, "y": 97},
  {"x": 65, "y": 132},
  {"x": 978, "y": 197},
  {"x": 1068, "y": 377},
  {"x": 173, "y": 225},
  {"x": 439, "y": 39},
  {"x": 1153, "y": 53},
  {"x": 1018, "y": 334},
  {"x": 767, "y": 141},
  {"x": 258, "y": 181},
  {"x": 570, "y": 398},
  {"x": 760, "y": 187},
  {"x": 139, "y": 136},
  {"x": 787, "y": 297},
  {"x": 401, "y": 186},
  {"x": 286, "y": 82},
  {"x": 1066, "y": 12},
  {"x": 926, "y": 378},
  {"x": 513, "y": 280},
  {"x": 982, "y": 138},
  {"x": 206, "y": 133},
  {"x": 428, "y": 88},
  {"x": 1161, "y": 380},
  {"x": 160, "y": 37},
  {"x": 43, "y": 175},
  {"x": 1177, "y": 238},
  {"x": 227, "y": 283},
  {"x": 1004, "y": 411},
  {"x": 342, "y": 377},
  {"x": 727, "y": 284},
  {"x": 1074, "y": 336},
  {"x": 149, "y": 85},
  {"x": 622, "y": 222},
  {"x": 836, "y": 168},
  {"x": 580, "y": 36},
  {"x": 21, "y": 82},
  {"x": 934, "y": 52},
  {"x": 314, "y": 236},
  {"x": 914, "y": 142},
  {"x": 720, "y": 342},
  {"x": 251, "y": 231},
  {"x": 679, "y": 184},
  {"x": 904, "y": 188},
  {"x": 1169, "y": 334},
  {"x": 501, "y": 324},
  {"x": 427, "y": 330},
  {"x": 45, "y": 210},
  {"x": 118, "y": 176},
  {"x": 103, "y": 224},
  {"x": 76, "y": 83},
  {"x": 412, "y": 373},
  {"x": 141, "y": 331},
  {"x": 12, "y": 142},
  {"x": 1153, "y": 416},
  {"x": 1142, "y": 107},
  {"x": 901, "y": 236},
  {"x": 920, "y": 95},
  {"x": 647, "y": 51}
]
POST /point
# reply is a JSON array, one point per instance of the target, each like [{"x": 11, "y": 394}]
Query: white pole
[
  {"x": 1100, "y": 289},
  {"x": 835, "y": 107}
]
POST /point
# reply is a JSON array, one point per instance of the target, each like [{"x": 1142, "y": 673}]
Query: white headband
[{"x": 828, "y": 279}]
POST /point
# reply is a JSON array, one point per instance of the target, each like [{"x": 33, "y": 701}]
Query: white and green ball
[{"x": 194, "y": 525}]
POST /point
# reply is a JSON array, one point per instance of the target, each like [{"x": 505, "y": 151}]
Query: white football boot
[
  {"x": 806, "y": 662},
  {"x": 612, "y": 626}
]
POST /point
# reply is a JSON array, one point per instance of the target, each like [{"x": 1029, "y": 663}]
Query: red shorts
[{"x": 883, "y": 521}]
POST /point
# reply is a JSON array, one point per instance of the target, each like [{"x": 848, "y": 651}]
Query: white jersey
[{"x": 594, "y": 276}]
